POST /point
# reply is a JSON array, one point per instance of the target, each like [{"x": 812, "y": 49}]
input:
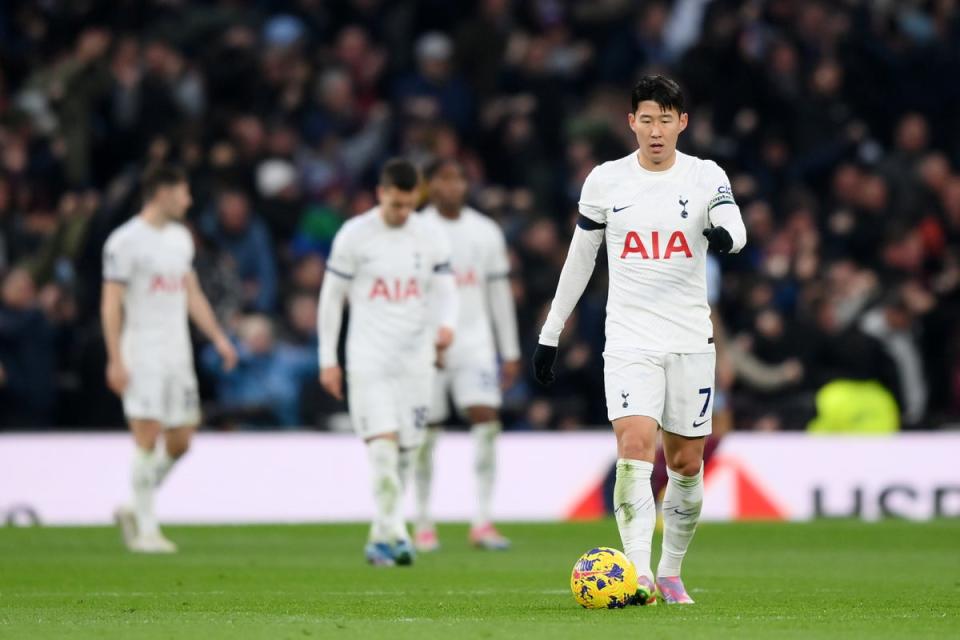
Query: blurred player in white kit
[
  {"x": 658, "y": 211},
  {"x": 149, "y": 291},
  {"x": 469, "y": 368},
  {"x": 394, "y": 268}
]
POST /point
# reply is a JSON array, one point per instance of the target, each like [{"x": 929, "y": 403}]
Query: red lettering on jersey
[
  {"x": 634, "y": 244},
  {"x": 412, "y": 290},
  {"x": 380, "y": 289},
  {"x": 399, "y": 292},
  {"x": 677, "y": 244},
  {"x": 167, "y": 284},
  {"x": 468, "y": 279}
]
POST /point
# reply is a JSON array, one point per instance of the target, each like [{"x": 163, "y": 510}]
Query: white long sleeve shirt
[
  {"x": 400, "y": 286},
  {"x": 653, "y": 223},
  {"x": 482, "y": 268}
]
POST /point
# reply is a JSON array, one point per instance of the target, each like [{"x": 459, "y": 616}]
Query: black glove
[
  {"x": 544, "y": 360},
  {"x": 719, "y": 239}
]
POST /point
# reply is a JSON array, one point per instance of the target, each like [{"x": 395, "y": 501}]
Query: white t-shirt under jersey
[
  {"x": 154, "y": 264},
  {"x": 479, "y": 253},
  {"x": 656, "y": 251},
  {"x": 390, "y": 271}
]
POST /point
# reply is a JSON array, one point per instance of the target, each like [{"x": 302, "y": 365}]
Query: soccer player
[
  {"x": 658, "y": 210},
  {"x": 149, "y": 290},
  {"x": 469, "y": 369},
  {"x": 395, "y": 270}
]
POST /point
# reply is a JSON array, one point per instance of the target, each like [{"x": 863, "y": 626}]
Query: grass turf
[{"x": 836, "y": 579}]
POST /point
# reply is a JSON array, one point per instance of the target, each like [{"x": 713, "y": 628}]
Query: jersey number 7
[{"x": 707, "y": 391}]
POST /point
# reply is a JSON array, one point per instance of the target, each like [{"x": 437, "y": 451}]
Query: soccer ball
[{"x": 603, "y": 578}]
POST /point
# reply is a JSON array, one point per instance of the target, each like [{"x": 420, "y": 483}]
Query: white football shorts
[
  {"x": 675, "y": 389},
  {"x": 168, "y": 395},
  {"x": 471, "y": 384},
  {"x": 380, "y": 404}
]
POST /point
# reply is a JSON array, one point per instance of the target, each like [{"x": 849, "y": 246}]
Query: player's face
[
  {"x": 396, "y": 205},
  {"x": 657, "y": 131},
  {"x": 448, "y": 187},
  {"x": 174, "y": 200}
]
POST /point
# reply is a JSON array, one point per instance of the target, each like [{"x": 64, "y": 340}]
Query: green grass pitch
[{"x": 823, "y": 580}]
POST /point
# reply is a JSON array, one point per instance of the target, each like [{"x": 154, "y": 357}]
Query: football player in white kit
[
  {"x": 469, "y": 370},
  {"x": 658, "y": 210},
  {"x": 149, "y": 290},
  {"x": 394, "y": 268}
]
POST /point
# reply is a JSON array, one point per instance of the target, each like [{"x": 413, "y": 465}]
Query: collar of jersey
[{"x": 681, "y": 157}]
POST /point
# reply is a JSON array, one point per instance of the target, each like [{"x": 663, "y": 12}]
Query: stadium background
[
  {"x": 835, "y": 121},
  {"x": 839, "y": 125}
]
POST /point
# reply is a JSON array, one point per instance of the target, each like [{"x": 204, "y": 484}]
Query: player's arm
[
  {"x": 503, "y": 312},
  {"x": 446, "y": 301},
  {"x": 727, "y": 233},
  {"x": 118, "y": 268},
  {"x": 333, "y": 297},
  {"x": 202, "y": 315},
  {"x": 577, "y": 269},
  {"x": 111, "y": 319},
  {"x": 576, "y": 272}
]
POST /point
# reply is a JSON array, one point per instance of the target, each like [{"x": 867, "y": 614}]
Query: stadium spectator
[
  {"x": 27, "y": 354},
  {"x": 892, "y": 323},
  {"x": 234, "y": 228},
  {"x": 264, "y": 388},
  {"x": 435, "y": 90},
  {"x": 836, "y": 122}
]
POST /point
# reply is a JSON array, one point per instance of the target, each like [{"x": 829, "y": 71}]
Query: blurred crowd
[{"x": 838, "y": 123}]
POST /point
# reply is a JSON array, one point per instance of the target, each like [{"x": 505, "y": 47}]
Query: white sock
[
  {"x": 636, "y": 511},
  {"x": 404, "y": 472},
  {"x": 385, "y": 473},
  {"x": 485, "y": 467},
  {"x": 423, "y": 477},
  {"x": 144, "y": 481},
  {"x": 405, "y": 460},
  {"x": 681, "y": 511},
  {"x": 162, "y": 463}
]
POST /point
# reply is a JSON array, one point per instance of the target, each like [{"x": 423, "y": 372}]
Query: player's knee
[
  {"x": 479, "y": 414},
  {"x": 178, "y": 449},
  {"x": 685, "y": 463},
  {"x": 636, "y": 445},
  {"x": 177, "y": 442},
  {"x": 146, "y": 442}
]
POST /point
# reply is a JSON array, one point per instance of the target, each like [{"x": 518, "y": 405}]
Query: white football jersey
[
  {"x": 154, "y": 264},
  {"x": 390, "y": 271},
  {"x": 479, "y": 255},
  {"x": 656, "y": 250}
]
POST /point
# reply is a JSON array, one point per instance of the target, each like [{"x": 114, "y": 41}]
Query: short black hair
[
  {"x": 661, "y": 89},
  {"x": 399, "y": 173},
  {"x": 160, "y": 175},
  {"x": 437, "y": 165}
]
